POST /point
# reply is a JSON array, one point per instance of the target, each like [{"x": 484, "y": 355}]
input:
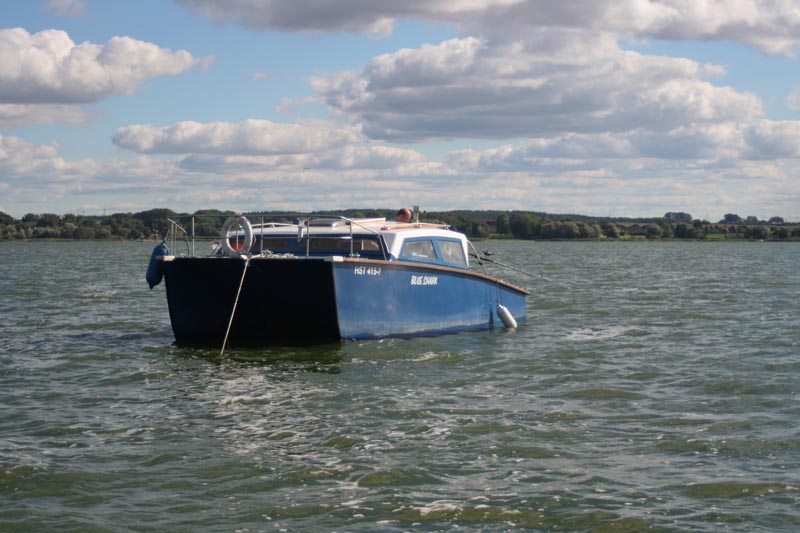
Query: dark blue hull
[{"x": 305, "y": 301}]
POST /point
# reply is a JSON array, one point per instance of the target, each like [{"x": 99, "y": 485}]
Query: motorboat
[{"x": 314, "y": 279}]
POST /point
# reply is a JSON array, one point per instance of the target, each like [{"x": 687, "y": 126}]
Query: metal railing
[{"x": 178, "y": 232}]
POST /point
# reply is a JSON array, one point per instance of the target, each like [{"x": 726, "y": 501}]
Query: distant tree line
[
  {"x": 543, "y": 226},
  {"x": 153, "y": 224}
]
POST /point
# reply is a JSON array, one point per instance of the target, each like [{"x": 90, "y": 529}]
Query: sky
[{"x": 622, "y": 108}]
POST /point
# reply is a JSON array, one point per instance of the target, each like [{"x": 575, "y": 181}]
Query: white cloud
[
  {"x": 28, "y": 164},
  {"x": 37, "y": 179},
  {"x": 770, "y": 25},
  {"x": 291, "y": 105},
  {"x": 66, "y": 8},
  {"x": 25, "y": 165},
  {"x": 14, "y": 115},
  {"x": 681, "y": 150},
  {"x": 19, "y": 157},
  {"x": 549, "y": 84},
  {"x": 347, "y": 158},
  {"x": 773, "y": 140},
  {"x": 373, "y": 157},
  {"x": 627, "y": 187},
  {"x": 310, "y": 151},
  {"x": 205, "y": 63},
  {"x": 251, "y": 137},
  {"x": 49, "y": 68}
]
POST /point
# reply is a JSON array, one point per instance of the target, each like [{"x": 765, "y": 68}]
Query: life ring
[{"x": 234, "y": 223}]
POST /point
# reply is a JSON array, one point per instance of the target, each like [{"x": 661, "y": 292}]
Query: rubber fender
[
  {"x": 155, "y": 270},
  {"x": 505, "y": 315}
]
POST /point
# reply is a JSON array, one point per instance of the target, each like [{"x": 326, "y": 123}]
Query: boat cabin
[{"x": 374, "y": 238}]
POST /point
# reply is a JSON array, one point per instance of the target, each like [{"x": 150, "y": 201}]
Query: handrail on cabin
[
  {"x": 350, "y": 222},
  {"x": 303, "y": 221}
]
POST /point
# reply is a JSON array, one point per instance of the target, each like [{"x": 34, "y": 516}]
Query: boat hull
[
  {"x": 281, "y": 301},
  {"x": 389, "y": 299},
  {"x": 315, "y": 300}
]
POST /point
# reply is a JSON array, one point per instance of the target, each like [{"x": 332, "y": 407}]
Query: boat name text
[
  {"x": 367, "y": 271},
  {"x": 424, "y": 280}
]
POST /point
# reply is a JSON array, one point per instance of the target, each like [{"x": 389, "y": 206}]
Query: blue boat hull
[
  {"x": 306, "y": 301},
  {"x": 387, "y": 299}
]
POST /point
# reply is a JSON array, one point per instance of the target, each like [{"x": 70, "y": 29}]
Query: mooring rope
[
  {"x": 531, "y": 274},
  {"x": 235, "y": 303}
]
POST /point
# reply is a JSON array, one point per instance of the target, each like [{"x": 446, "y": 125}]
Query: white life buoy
[{"x": 234, "y": 223}]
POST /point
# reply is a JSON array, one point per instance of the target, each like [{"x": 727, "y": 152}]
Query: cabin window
[
  {"x": 329, "y": 243},
  {"x": 343, "y": 244},
  {"x": 274, "y": 244},
  {"x": 419, "y": 249},
  {"x": 453, "y": 252},
  {"x": 369, "y": 245}
]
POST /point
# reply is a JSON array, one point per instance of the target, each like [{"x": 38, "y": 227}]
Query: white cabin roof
[{"x": 395, "y": 237}]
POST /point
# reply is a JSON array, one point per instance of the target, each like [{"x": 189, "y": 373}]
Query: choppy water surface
[{"x": 655, "y": 386}]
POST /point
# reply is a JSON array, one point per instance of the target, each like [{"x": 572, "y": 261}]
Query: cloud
[
  {"x": 681, "y": 150},
  {"x": 625, "y": 186},
  {"x": 348, "y": 158},
  {"x": 19, "y": 157},
  {"x": 36, "y": 178},
  {"x": 256, "y": 146},
  {"x": 204, "y": 63},
  {"x": 549, "y": 84},
  {"x": 251, "y": 137},
  {"x": 315, "y": 15},
  {"x": 770, "y": 25},
  {"x": 773, "y": 140},
  {"x": 49, "y": 68},
  {"x": 29, "y": 168},
  {"x": 793, "y": 99},
  {"x": 14, "y": 115},
  {"x": 66, "y": 8},
  {"x": 291, "y": 105}
]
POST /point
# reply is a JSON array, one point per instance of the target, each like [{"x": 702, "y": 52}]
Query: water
[{"x": 654, "y": 387}]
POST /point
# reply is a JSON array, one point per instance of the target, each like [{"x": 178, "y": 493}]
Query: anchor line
[{"x": 235, "y": 303}]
